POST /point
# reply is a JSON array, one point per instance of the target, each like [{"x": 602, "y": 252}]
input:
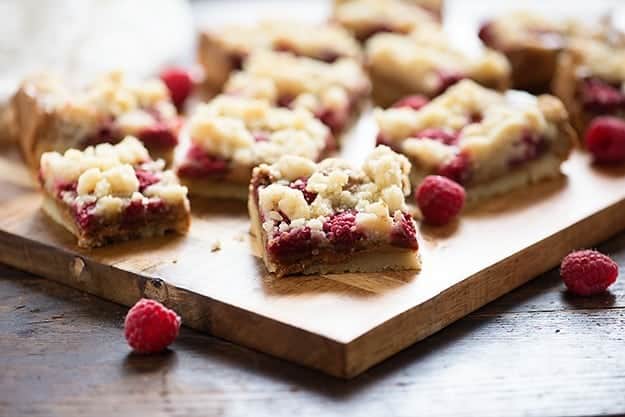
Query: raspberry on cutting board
[{"x": 439, "y": 199}]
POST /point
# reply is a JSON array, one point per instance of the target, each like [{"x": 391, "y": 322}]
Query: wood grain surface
[{"x": 538, "y": 351}]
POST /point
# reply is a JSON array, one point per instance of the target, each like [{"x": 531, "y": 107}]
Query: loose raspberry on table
[
  {"x": 179, "y": 82},
  {"x": 150, "y": 327},
  {"x": 414, "y": 102},
  {"x": 605, "y": 139},
  {"x": 341, "y": 229},
  {"x": 404, "y": 233},
  {"x": 440, "y": 199},
  {"x": 588, "y": 272}
]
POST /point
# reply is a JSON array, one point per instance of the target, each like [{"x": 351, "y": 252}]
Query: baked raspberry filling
[
  {"x": 414, "y": 102},
  {"x": 446, "y": 79},
  {"x": 441, "y": 135},
  {"x": 342, "y": 232},
  {"x": 600, "y": 96},
  {"x": 334, "y": 119},
  {"x": 146, "y": 178},
  {"x": 63, "y": 186},
  {"x": 138, "y": 212},
  {"x": 532, "y": 146},
  {"x": 84, "y": 215},
  {"x": 158, "y": 135},
  {"x": 457, "y": 169},
  {"x": 404, "y": 233},
  {"x": 300, "y": 184},
  {"x": 199, "y": 164},
  {"x": 294, "y": 244},
  {"x": 106, "y": 132},
  {"x": 486, "y": 34}
]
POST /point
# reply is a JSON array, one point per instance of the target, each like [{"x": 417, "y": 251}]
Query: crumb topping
[
  {"x": 486, "y": 124},
  {"x": 374, "y": 194},
  {"x": 301, "y": 38},
  {"x": 134, "y": 105},
  {"x": 251, "y": 131},
  {"x": 364, "y": 16},
  {"x": 110, "y": 176},
  {"x": 309, "y": 83},
  {"x": 599, "y": 59},
  {"x": 422, "y": 56}
]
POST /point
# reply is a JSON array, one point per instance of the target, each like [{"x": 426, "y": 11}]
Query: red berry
[
  {"x": 300, "y": 184},
  {"x": 296, "y": 243},
  {"x": 150, "y": 327},
  {"x": 404, "y": 232},
  {"x": 180, "y": 84},
  {"x": 414, "y": 102},
  {"x": 457, "y": 169},
  {"x": 588, "y": 272},
  {"x": 605, "y": 139},
  {"x": 440, "y": 199},
  {"x": 599, "y": 96},
  {"x": 444, "y": 136}
]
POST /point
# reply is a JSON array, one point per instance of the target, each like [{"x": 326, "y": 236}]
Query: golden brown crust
[
  {"x": 565, "y": 85},
  {"x": 215, "y": 61},
  {"x": 532, "y": 67}
]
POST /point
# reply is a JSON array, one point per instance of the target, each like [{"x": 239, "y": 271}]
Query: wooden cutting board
[{"x": 340, "y": 324}]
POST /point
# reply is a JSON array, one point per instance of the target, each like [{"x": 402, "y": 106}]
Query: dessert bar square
[
  {"x": 365, "y": 18},
  {"x": 489, "y": 142},
  {"x": 333, "y": 92},
  {"x": 590, "y": 80},
  {"x": 111, "y": 193},
  {"x": 222, "y": 51},
  {"x": 331, "y": 218},
  {"x": 49, "y": 115},
  {"x": 533, "y": 43},
  {"x": 232, "y": 134},
  {"x": 425, "y": 63}
]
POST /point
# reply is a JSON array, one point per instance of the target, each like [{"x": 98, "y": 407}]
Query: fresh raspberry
[
  {"x": 300, "y": 184},
  {"x": 444, "y": 136},
  {"x": 341, "y": 229},
  {"x": 294, "y": 243},
  {"x": 601, "y": 97},
  {"x": 180, "y": 84},
  {"x": 440, "y": 199},
  {"x": 150, "y": 326},
  {"x": 414, "y": 102},
  {"x": 404, "y": 233},
  {"x": 588, "y": 272},
  {"x": 457, "y": 169},
  {"x": 605, "y": 139},
  {"x": 159, "y": 134}
]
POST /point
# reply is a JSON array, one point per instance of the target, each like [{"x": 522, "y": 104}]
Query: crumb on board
[{"x": 216, "y": 245}]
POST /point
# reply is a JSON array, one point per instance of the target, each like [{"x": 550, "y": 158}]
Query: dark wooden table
[{"x": 537, "y": 351}]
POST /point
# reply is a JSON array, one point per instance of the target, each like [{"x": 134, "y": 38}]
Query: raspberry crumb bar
[
  {"x": 333, "y": 92},
  {"x": 590, "y": 80},
  {"x": 224, "y": 50},
  {"x": 425, "y": 63},
  {"x": 532, "y": 45},
  {"x": 365, "y": 18},
  {"x": 51, "y": 116},
  {"x": 233, "y": 134},
  {"x": 330, "y": 218},
  {"x": 111, "y": 193},
  {"x": 485, "y": 140}
]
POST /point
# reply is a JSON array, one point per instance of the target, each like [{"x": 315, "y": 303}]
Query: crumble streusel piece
[
  {"x": 533, "y": 43},
  {"x": 110, "y": 193},
  {"x": 365, "y": 18},
  {"x": 49, "y": 115},
  {"x": 424, "y": 62},
  {"x": 590, "y": 80},
  {"x": 222, "y": 51},
  {"x": 330, "y": 217},
  {"x": 232, "y": 134},
  {"x": 333, "y": 92},
  {"x": 485, "y": 140}
]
